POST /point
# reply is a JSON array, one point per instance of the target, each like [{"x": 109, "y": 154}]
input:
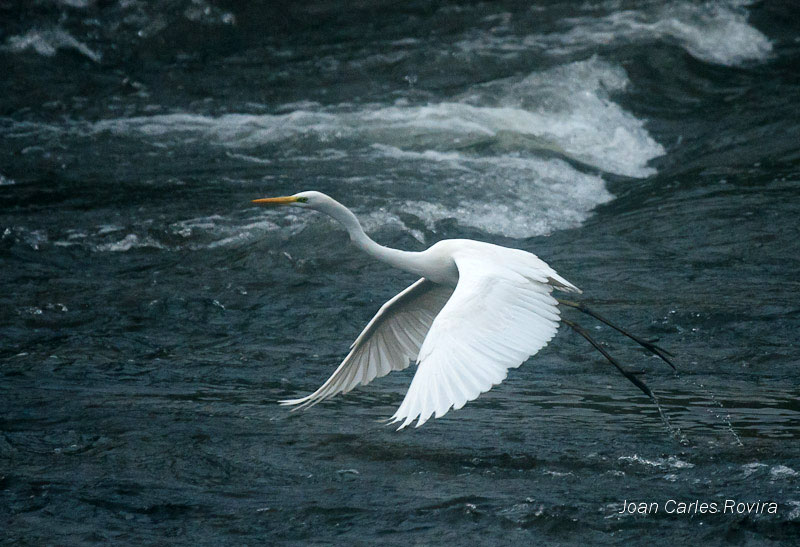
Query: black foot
[
  {"x": 648, "y": 345},
  {"x": 628, "y": 374}
]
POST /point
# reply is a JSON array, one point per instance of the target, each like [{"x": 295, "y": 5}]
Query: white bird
[{"x": 477, "y": 310}]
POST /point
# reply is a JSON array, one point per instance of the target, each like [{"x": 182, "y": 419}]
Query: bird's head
[{"x": 308, "y": 200}]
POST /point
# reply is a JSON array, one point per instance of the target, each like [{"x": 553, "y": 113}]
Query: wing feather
[
  {"x": 500, "y": 313},
  {"x": 390, "y": 341}
]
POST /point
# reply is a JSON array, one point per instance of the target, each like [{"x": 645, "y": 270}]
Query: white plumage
[
  {"x": 390, "y": 341},
  {"x": 495, "y": 319},
  {"x": 478, "y": 310}
]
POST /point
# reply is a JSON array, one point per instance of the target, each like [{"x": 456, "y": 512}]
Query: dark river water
[{"x": 150, "y": 317}]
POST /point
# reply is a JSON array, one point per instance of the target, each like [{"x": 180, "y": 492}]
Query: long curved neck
[{"x": 404, "y": 260}]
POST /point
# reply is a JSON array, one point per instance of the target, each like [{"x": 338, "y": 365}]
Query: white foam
[
  {"x": 715, "y": 32},
  {"x": 34, "y": 238},
  {"x": 127, "y": 243},
  {"x": 454, "y": 159},
  {"x": 243, "y": 234},
  {"x": 751, "y": 468},
  {"x": 76, "y": 3},
  {"x": 218, "y": 231},
  {"x": 248, "y": 158},
  {"x": 780, "y": 472},
  {"x": 507, "y": 195},
  {"x": 202, "y": 11},
  {"x": 565, "y": 110},
  {"x": 672, "y": 461},
  {"x": 518, "y": 157},
  {"x": 515, "y": 188},
  {"x": 190, "y": 234},
  {"x": 613, "y": 141},
  {"x": 197, "y": 233},
  {"x": 6, "y": 181},
  {"x": 104, "y": 229},
  {"x": 568, "y": 108},
  {"x": 47, "y": 42}
]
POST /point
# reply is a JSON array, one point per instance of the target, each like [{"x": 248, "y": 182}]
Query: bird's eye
[{"x": 302, "y": 200}]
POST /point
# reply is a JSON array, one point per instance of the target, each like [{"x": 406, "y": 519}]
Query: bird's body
[{"x": 477, "y": 310}]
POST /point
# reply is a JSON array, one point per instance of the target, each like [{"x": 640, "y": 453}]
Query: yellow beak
[{"x": 285, "y": 200}]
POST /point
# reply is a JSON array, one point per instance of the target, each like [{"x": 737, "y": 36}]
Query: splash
[{"x": 722, "y": 415}]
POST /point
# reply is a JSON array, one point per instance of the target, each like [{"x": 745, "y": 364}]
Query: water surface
[{"x": 151, "y": 318}]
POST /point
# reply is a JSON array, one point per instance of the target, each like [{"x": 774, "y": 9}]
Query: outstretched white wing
[
  {"x": 500, "y": 313},
  {"x": 389, "y": 342}
]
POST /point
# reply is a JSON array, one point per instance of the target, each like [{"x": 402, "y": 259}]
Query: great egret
[{"x": 477, "y": 310}]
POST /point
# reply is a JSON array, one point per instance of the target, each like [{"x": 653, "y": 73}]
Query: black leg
[
  {"x": 649, "y": 346},
  {"x": 629, "y": 375}
]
